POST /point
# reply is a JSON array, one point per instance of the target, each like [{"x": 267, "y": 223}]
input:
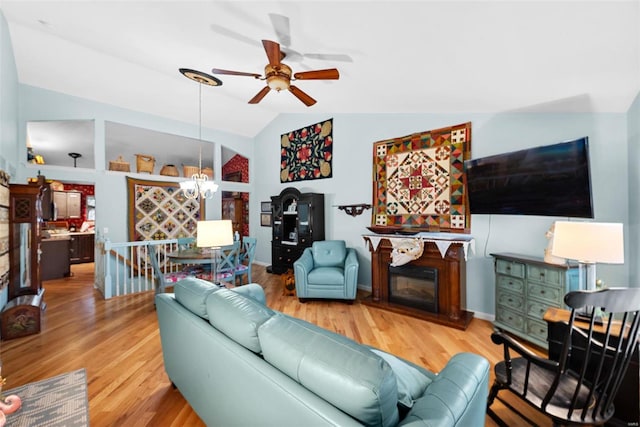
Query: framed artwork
[
  {"x": 307, "y": 153},
  {"x": 265, "y": 206},
  {"x": 159, "y": 210},
  {"x": 419, "y": 180},
  {"x": 265, "y": 219}
]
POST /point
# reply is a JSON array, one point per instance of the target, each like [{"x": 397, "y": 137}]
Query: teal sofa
[{"x": 239, "y": 363}]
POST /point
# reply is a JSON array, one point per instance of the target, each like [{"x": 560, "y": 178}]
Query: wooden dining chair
[{"x": 574, "y": 390}]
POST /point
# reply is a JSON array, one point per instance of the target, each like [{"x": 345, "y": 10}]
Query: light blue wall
[
  {"x": 8, "y": 101},
  {"x": 8, "y": 111},
  {"x": 354, "y": 135},
  {"x": 634, "y": 192},
  {"x": 110, "y": 187}
]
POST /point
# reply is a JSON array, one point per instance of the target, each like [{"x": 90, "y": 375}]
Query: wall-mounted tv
[{"x": 551, "y": 180}]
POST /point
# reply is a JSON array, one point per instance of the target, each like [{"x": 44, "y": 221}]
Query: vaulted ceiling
[{"x": 393, "y": 56}]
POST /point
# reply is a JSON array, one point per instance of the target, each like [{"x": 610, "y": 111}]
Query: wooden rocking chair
[{"x": 575, "y": 390}]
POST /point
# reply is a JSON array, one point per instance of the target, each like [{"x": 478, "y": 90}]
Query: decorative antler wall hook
[{"x": 354, "y": 210}]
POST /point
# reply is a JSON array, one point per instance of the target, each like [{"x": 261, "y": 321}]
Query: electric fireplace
[
  {"x": 415, "y": 286},
  {"x": 436, "y": 295}
]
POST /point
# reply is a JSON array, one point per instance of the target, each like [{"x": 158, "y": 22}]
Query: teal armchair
[{"x": 328, "y": 269}]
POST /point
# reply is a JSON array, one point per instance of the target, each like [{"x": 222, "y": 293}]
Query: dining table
[{"x": 191, "y": 256}]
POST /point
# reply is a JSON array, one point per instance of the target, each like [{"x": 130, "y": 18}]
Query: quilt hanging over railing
[
  {"x": 159, "y": 210},
  {"x": 419, "y": 180}
]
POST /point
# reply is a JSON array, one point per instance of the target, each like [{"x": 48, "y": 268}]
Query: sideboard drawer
[
  {"x": 511, "y": 268},
  {"x": 510, "y": 284},
  {"x": 544, "y": 275},
  {"x": 547, "y": 293},
  {"x": 511, "y": 319},
  {"x": 511, "y": 300},
  {"x": 537, "y": 329}
]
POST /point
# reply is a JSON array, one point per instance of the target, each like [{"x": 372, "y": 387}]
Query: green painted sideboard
[{"x": 525, "y": 288}]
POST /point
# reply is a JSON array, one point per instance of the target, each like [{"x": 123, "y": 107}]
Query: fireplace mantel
[{"x": 450, "y": 260}]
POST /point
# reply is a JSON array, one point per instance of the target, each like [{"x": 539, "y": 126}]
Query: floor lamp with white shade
[{"x": 214, "y": 234}]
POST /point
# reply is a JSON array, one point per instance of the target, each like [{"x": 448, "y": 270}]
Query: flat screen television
[{"x": 551, "y": 180}]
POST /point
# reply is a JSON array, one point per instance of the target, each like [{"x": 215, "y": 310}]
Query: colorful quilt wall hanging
[
  {"x": 4, "y": 229},
  {"x": 159, "y": 210},
  {"x": 419, "y": 180},
  {"x": 307, "y": 153}
]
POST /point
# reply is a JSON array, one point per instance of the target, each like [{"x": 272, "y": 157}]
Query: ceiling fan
[{"x": 279, "y": 75}]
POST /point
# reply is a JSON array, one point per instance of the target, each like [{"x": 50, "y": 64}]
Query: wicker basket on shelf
[
  {"x": 188, "y": 171},
  {"x": 169, "y": 170},
  {"x": 208, "y": 172},
  {"x": 145, "y": 163},
  {"x": 119, "y": 165}
]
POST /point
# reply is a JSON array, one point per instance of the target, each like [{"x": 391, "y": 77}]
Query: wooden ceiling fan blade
[
  {"x": 302, "y": 96},
  {"x": 234, "y": 73},
  {"x": 265, "y": 90},
  {"x": 328, "y": 74},
  {"x": 273, "y": 52}
]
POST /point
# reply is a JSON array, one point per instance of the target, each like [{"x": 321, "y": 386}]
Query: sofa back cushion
[
  {"x": 238, "y": 317},
  {"x": 192, "y": 293},
  {"x": 341, "y": 371},
  {"x": 329, "y": 253}
]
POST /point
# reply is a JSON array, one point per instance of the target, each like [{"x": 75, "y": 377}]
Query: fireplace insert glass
[{"x": 414, "y": 286}]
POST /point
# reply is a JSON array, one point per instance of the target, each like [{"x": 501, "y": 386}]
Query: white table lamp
[
  {"x": 589, "y": 243},
  {"x": 214, "y": 234}
]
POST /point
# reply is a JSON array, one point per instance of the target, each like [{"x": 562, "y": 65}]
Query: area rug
[
  {"x": 159, "y": 210},
  {"x": 54, "y": 402},
  {"x": 307, "y": 153},
  {"x": 419, "y": 180}
]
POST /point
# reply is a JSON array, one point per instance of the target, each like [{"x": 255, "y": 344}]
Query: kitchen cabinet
[
  {"x": 81, "y": 249},
  {"x": 67, "y": 204},
  {"x": 55, "y": 258}
]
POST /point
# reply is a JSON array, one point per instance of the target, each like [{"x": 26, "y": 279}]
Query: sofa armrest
[{"x": 456, "y": 397}]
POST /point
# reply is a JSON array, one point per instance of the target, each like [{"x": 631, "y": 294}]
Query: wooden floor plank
[{"x": 117, "y": 341}]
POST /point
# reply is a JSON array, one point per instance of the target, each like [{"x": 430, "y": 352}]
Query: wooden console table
[
  {"x": 447, "y": 254},
  {"x": 626, "y": 401}
]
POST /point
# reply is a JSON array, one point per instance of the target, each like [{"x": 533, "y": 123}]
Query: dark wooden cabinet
[
  {"x": 55, "y": 259},
  {"x": 298, "y": 221},
  {"x": 21, "y": 315},
  {"x": 81, "y": 249}
]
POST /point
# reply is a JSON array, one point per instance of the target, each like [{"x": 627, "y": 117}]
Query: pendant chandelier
[{"x": 199, "y": 185}]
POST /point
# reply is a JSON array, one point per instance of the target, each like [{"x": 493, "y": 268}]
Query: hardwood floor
[{"x": 117, "y": 341}]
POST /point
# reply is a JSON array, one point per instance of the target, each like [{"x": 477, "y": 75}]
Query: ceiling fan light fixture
[
  {"x": 278, "y": 83},
  {"x": 278, "y": 77}
]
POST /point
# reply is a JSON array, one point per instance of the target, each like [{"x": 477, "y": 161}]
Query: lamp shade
[
  {"x": 214, "y": 233},
  {"x": 589, "y": 242}
]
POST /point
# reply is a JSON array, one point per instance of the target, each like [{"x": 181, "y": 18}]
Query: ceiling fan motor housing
[{"x": 278, "y": 76}]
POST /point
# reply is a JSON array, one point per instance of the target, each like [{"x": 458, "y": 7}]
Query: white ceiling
[{"x": 406, "y": 56}]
